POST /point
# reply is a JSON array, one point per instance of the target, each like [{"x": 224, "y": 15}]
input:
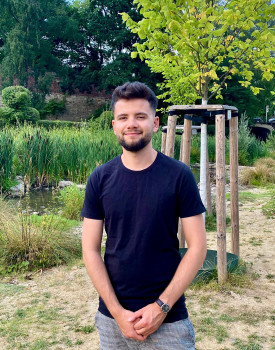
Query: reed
[
  {"x": 7, "y": 151},
  {"x": 44, "y": 156}
]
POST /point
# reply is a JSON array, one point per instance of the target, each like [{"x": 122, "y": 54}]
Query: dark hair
[{"x": 133, "y": 90}]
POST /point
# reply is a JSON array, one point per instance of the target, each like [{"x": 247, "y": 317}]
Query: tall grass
[
  {"x": 27, "y": 244},
  {"x": 44, "y": 156},
  {"x": 7, "y": 151}
]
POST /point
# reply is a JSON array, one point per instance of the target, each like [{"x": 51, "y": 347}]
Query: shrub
[
  {"x": 103, "y": 122},
  {"x": 249, "y": 147},
  {"x": 53, "y": 107},
  {"x": 16, "y": 97},
  {"x": 102, "y": 108},
  {"x": 262, "y": 173},
  {"x": 72, "y": 198},
  {"x": 17, "y": 101},
  {"x": 270, "y": 144},
  {"x": 26, "y": 246}
]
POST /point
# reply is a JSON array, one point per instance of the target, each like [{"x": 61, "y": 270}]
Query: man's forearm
[
  {"x": 101, "y": 281},
  {"x": 184, "y": 275}
]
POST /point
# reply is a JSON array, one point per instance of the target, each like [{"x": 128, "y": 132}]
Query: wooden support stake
[
  {"x": 220, "y": 198},
  {"x": 171, "y": 134},
  {"x": 163, "y": 142},
  {"x": 233, "y": 127},
  {"x": 208, "y": 186},
  {"x": 181, "y": 235},
  {"x": 186, "y": 142},
  {"x": 185, "y": 149}
]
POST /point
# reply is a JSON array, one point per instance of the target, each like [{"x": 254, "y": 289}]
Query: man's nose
[{"x": 132, "y": 123}]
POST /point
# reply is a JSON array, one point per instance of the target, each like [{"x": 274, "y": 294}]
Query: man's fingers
[
  {"x": 136, "y": 315},
  {"x": 140, "y": 324}
]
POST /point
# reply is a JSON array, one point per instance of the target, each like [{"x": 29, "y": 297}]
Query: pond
[{"x": 39, "y": 200}]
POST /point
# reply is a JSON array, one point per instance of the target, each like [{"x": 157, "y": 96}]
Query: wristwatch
[{"x": 165, "y": 308}]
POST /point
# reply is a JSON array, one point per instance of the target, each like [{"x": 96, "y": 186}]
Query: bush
[
  {"x": 17, "y": 101},
  {"x": 270, "y": 144},
  {"x": 103, "y": 122},
  {"x": 6, "y": 113},
  {"x": 263, "y": 173},
  {"x": 53, "y": 107},
  {"x": 16, "y": 97},
  {"x": 249, "y": 147},
  {"x": 24, "y": 246},
  {"x": 102, "y": 108},
  {"x": 72, "y": 198}
]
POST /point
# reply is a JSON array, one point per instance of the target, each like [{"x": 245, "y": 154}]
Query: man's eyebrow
[
  {"x": 141, "y": 113},
  {"x": 121, "y": 115}
]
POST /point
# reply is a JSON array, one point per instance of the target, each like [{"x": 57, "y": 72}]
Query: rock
[
  {"x": 63, "y": 184},
  {"x": 18, "y": 190},
  {"x": 81, "y": 186}
]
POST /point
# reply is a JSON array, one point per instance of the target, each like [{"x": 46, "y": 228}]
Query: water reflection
[{"x": 40, "y": 201}]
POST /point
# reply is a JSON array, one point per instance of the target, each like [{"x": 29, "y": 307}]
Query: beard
[{"x": 134, "y": 146}]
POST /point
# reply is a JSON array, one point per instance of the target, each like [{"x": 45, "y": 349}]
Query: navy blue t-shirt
[{"x": 140, "y": 210}]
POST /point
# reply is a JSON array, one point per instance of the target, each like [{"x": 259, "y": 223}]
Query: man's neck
[{"x": 139, "y": 160}]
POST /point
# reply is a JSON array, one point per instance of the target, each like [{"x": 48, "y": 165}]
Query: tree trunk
[{"x": 203, "y": 160}]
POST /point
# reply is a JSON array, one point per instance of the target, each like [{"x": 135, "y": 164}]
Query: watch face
[{"x": 165, "y": 308}]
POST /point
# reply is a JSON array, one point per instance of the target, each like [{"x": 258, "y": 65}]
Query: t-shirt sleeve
[
  {"x": 190, "y": 202},
  {"x": 92, "y": 208}
]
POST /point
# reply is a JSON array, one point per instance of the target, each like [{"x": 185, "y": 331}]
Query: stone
[
  {"x": 18, "y": 190},
  {"x": 63, "y": 184},
  {"x": 81, "y": 186}
]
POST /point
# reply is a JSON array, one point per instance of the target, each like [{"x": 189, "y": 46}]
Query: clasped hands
[{"x": 140, "y": 324}]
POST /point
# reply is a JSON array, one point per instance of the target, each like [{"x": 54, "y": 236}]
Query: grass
[
  {"x": 248, "y": 196},
  {"x": 241, "y": 277},
  {"x": 262, "y": 174},
  {"x": 72, "y": 199},
  {"x": 29, "y": 243},
  {"x": 269, "y": 207}
]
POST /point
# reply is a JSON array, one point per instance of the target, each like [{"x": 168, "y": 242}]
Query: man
[{"x": 139, "y": 196}]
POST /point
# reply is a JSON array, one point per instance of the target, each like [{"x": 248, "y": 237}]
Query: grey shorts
[{"x": 178, "y": 335}]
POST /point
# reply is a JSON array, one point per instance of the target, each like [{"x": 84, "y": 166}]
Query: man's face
[{"x": 134, "y": 123}]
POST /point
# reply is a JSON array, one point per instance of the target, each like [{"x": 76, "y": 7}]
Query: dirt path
[{"x": 55, "y": 309}]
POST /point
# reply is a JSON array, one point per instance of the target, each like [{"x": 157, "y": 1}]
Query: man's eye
[{"x": 141, "y": 117}]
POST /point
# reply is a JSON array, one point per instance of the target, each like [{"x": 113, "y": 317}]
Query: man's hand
[
  {"x": 127, "y": 327},
  {"x": 150, "y": 319}
]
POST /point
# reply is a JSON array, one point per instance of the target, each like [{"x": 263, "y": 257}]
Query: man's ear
[
  {"x": 156, "y": 124},
  {"x": 113, "y": 123}
]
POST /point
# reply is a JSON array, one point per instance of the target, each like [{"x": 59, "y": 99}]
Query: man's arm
[
  {"x": 91, "y": 248},
  {"x": 195, "y": 236}
]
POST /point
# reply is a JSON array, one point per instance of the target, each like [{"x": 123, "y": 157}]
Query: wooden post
[
  {"x": 171, "y": 134},
  {"x": 163, "y": 141},
  {"x": 208, "y": 186},
  {"x": 185, "y": 149},
  {"x": 186, "y": 141},
  {"x": 220, "y": 197},
  {"x": 181, "y": 236},
  {"x": 203, "y": 189},
  {"x": 233, "y": 132}
]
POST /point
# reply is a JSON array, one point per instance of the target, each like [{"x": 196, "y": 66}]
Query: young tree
[{"x": 198, "y": 45}]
